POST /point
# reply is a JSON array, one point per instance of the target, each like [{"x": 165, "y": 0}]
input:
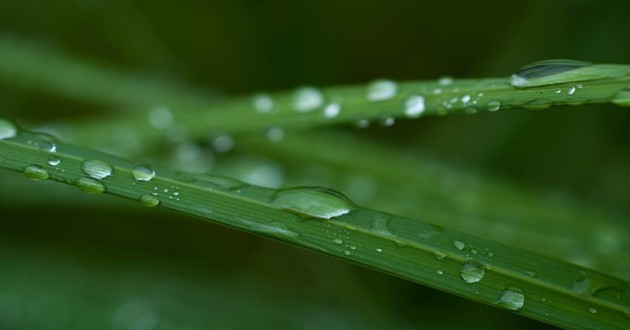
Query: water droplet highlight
[
  {"x": 313, "y": 202},
  {"x": 97, "y": 169},
  {"x": 8, "y": 130},
  {"x": 439, "y": 272},
  {"x": 493, "y": 106},
  {"x": 142, "y": 173},
  {"x": 90, "y": 185},
  {"x": 36, "y": 172},
  {"x": 542, "y": 73},
  {"x": 307, "y": 99},
  {"x": 53, "y": 161},
  {"x": 571, "y": 90},
  {"x": 414, "y": 106},
  {"x": 512, "y": 299},
  {"x": 149, "y": 200},
  {"x": 381, "y": 90},
  {"x": 472, "y": 271}
]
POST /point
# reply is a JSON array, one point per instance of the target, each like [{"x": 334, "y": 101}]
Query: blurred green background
[{"x": 81, "y": 262}]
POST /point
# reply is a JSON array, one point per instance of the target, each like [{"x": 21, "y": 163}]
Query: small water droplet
[
  {"x": 472, "y": 271},
  {"x": 381, "y": 90},
  {"x": 161, "y": 118},
  {"x": 445, "y": 81},
  {"x": 493, "y": 106},
  {"x": 97, "y": 169},
  {"x": 592, "y": 310},
  {"x": 439, "y": 255},
  {"x": 379, "y": 250},
  {"x": 558, "y": 91},
  {"x": 275, "y": 134},
  {"x": 389, "y": 122},
  {"x": 53, "y": 161},
  {"x": 142, "y": 173},
  {"x": 622, "y": 98},
  {"x": 338, "y": 241},
  {"x": 149, "y": 200},
  {"x": 512, "y": 299},
  {"x": 414, "y": 106},
  {"x": 532, "y": 74},
  {"x": 571, "y": 90},
  {"x": 314, "y": 202},
  {"x": 474, "y": 251},
  {"x": 465, "y": 99},
  {"x": 307, "y": 99},
  {"x": 263, "y": 103},
  {"x": 223, "y": 143},
  {"x": 36, "y": 172},
  {"x": 346, "y": 252},
  {"x": 90, "y": 185},
  {"x": 332, "y": 110},
  {"x": 8, "y": 130},
  {"x": 459, "y": 245},
  {"x": 439, "y": 272}
]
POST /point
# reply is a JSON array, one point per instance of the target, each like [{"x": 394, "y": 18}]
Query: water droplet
[
  {"x": 213, "y": 181},
  {"x": 445, "y": 81},
  {"x": 379, "y": 250},
  {"x": 389, "y": 121},
  {"x": 90, "y": 185},
  {"x": 307, "y": 99},
  {"x": 36, "y": 172},
  {"x": 149, "y": 200},
  {"x": 474, "y": 251},
  {"x": 97, "y": 169},
  {"x": 314, "y": 202},
  {"x": 46, "y": 142},
  {"x": 380, "y": 225},
  {"x": 338, "y": 241},
  {"x": 558, "y": 91},
  {"x": 582, "y": 284},
  {"x": 263, "y": 103},
  {"x": 439, "y": 272},
  {"x": 465, "y": 99},
  {"x": 592, "y": 310},
  {"x": 8, "y": 130},
  {"x": 622, "y": 98},
  {"x": 223, "y": 143},
  {"x": 363, "y": 123},
  {"x": 332, "y": 110},
  {"x": 531, "y": 273},
  {"x": 381, "y": 90},
  {"x": 439, "y": 255},
  {"x": 512, "y": 299},
  {"x": 459, "y": 245},
  {"x": 346, "y": 252},
  {"x": 533, "y": 74},
  {"x": 493, "y": 106},
  {"x": 275, "y": 134},
  {"x": 53, "y": 161},
  {"x": 161, "y": 118},
  {"x": 142, "y": 173},
  {"x": 571, "y": 90},
  {"x": 414, "y": 106},
  {"x": 472, "y": 271}
]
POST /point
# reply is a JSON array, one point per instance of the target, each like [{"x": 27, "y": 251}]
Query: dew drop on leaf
[
  {"x": 381, "y": 90},
  {"x": 263, "y": 103},
  {"x": 313, "y": 202},
  {"x": 472, "y": 271},
  {"x": 142, "y": 173},
  {"x": 53, "y": 161},
  {"x": 414, "y": 106},
  {"x": 307, "y": 99},
  {"x": 512, "y": 299},
  {"x": 493, "y": 106},
  {"x": 90, "y": 185},
  {"x": 8, "y": 129},
  {"x": 36, "y": 172},
  {"x": 149, "y": 200},
  {"x": 97, "y": 169}
]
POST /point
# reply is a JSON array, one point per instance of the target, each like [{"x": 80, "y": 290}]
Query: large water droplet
[
  {"x": 307, "y": 99},
  {"x": 36, "y": 172},
  {"x": 381, "y": 90},
  {"x": 97, "y": 169},
  {"x": 622, "y": 98},
  {"x": 263, "y": 103},
  {"x": 90, "y": 185},
  {"x": 149, "y": 200},
  {"x": 472, "y": 271},
  {"x": 8, "y": 129},
  {"x": 414, "y": 106},
  {"x": 531, "y": 75},
  {"x": 142, "y": 173},
  {"x": 314, "y": 202},
  {"x": 512, "y": 299}
]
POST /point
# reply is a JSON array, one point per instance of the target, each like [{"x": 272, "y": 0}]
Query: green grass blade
[{"x": 532, "y": 285}]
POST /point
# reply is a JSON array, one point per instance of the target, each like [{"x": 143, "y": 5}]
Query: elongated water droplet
[
  {"x": 332, "y": 110},
  {"x": 622, "y": 98},
  {"x": 53, "y": 161},
  {"x": 493, "y": 106},
  {"x": 314, "y": 202},
  {"x": 512, "y": 299},
  {"x": 149, "y": 200},
  {"x": 90, "y": 185},
  {"x": 263, "y": 103},
  {"x": 97, "y": 169},
  {"x": 307, "y": 99},
  {"x": 472, "y": 271},
  {"x": 459, "y": 245},
  {"x": 530, "y": 75},
  {"x": 8, "y": 129},
  {"x": 414, "y": 106},
  {"x": 142, "y": 173},
  {"x": 381, "y": 90},
  {"x": 36, "y": 172}
]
